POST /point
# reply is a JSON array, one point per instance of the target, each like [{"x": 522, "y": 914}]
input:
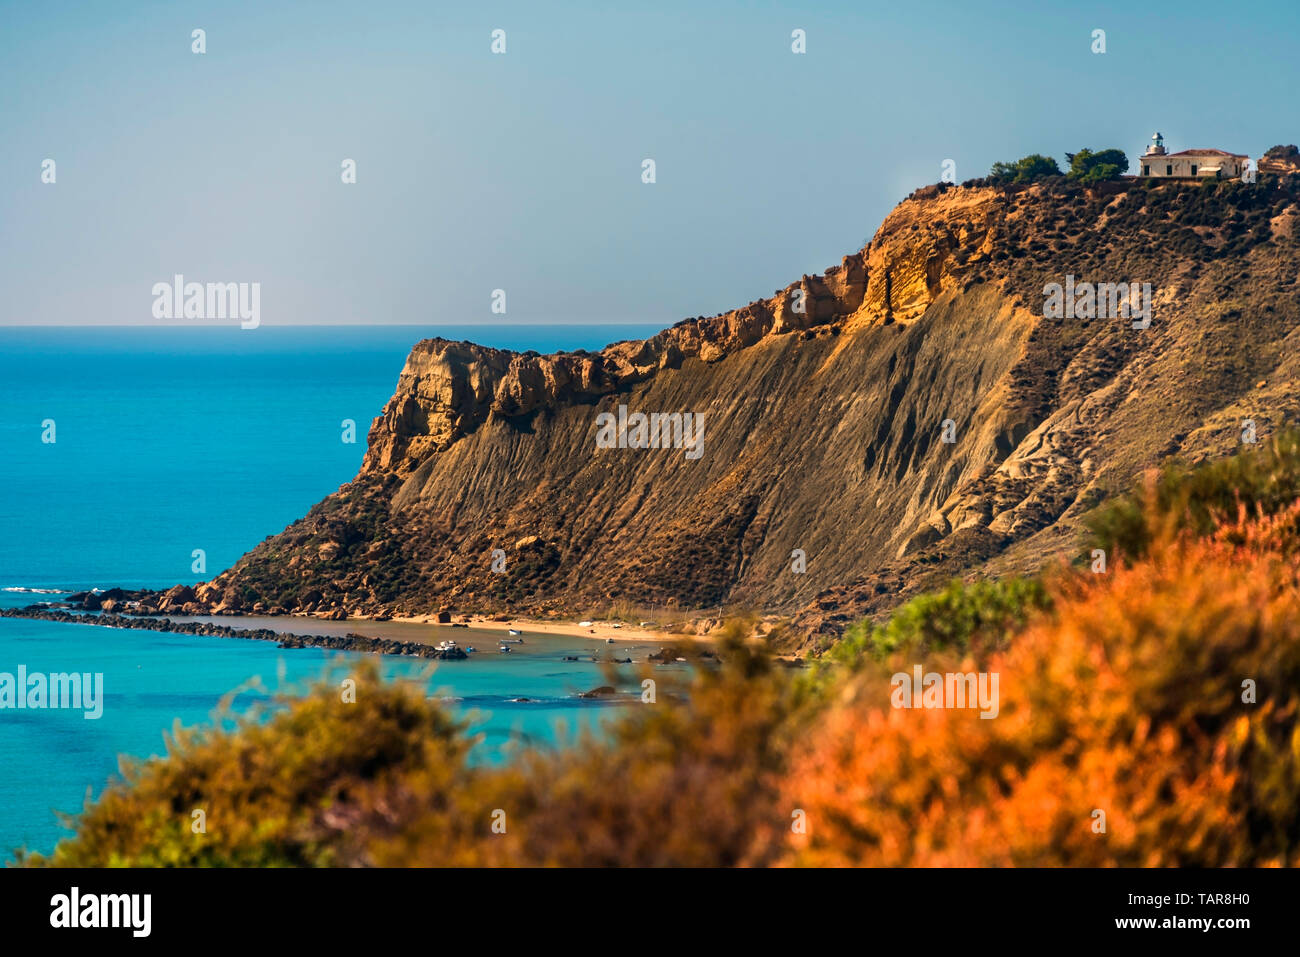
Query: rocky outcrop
[
  {"x": 1280, "y": 161},
  {"x": 909, "y": 414}
]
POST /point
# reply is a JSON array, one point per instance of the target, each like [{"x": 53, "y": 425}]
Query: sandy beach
[
  {"x": 425, "y": 629},
  {"x": 597, "y": 630}
]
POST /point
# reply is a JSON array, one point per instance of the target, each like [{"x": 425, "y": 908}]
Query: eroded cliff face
[
  {"x": 448, "y": 389},
  {"x": 825, "y": 411}
]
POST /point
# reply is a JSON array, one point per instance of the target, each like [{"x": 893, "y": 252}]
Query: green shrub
[
  {"x": 275, "y": 788},
  {"x": 1261, "y": 479},
  {"x": 976, "y": 617},
  {"x": 1088, "y": 167}
]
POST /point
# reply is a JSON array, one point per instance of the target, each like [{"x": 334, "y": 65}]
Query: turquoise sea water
[{"x": 171, "y": 440}]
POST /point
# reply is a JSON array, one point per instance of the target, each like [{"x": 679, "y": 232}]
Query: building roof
[{"x": 1209, "y": 153}]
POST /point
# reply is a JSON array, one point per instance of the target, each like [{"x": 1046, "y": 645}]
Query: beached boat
[
  {"x": 513, "y": 631},
  {"x": 504, "y": 649}
]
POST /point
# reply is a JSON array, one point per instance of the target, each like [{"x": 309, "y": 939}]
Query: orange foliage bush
[{"x": 1130, "y": 702}]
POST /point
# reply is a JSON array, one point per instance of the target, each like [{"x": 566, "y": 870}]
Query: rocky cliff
[
  {"x": 909, "y": 415},
  {"x": 1280, "y": 161}
]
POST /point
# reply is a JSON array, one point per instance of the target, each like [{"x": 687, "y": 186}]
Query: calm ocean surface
[{"x": 170, "y": 440}]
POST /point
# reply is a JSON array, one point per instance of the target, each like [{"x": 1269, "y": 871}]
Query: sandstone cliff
[{"x": 823, "y": 424}]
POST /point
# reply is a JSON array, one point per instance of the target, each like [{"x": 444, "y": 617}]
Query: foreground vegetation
[{"x": 1148, "y": 716}]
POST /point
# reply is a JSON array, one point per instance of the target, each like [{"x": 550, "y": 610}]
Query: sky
[{"x": 522, "y": 171}]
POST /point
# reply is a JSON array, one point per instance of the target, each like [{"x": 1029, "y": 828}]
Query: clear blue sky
[{"x": 523, "y": 171}]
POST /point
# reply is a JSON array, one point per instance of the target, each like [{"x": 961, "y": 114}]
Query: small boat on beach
[
  {"x": 514, "y": 631},
  {"x": 504, "y": 649}
]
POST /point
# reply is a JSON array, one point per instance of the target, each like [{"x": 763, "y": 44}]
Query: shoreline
[
  {"x": 396, "y": 642},
  {"x": 283, "y": 639},
  {"x": 597, "y": 631},
  {"x": 670, "y": 646},
  {"x": 179, "y": 604}
]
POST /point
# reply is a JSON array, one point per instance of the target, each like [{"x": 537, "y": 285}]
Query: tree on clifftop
[
  {"x": 1088, "y": 167},
  {"x": 1026, "y": 169}
]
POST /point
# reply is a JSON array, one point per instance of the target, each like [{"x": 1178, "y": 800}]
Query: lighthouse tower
[{"x": 1157, "y": 147}]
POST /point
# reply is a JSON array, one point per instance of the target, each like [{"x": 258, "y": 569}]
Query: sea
[{"x": 128, "y": 453}]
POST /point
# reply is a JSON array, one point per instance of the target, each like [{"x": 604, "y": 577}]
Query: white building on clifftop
[{"x": 1190, "y": 164}]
